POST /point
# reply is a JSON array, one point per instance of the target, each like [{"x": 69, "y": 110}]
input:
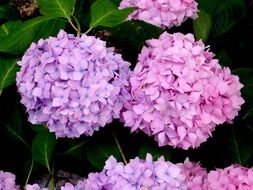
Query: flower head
[
  {"x": 7, "y": 181},
  {"x": 72, "y": 84},
  {"x": 162, "y": 13},
  {"x": 180, "y": 92},
  {"x": 142, "y": 175},
  {"x": 233, "y": 177},
  {"x": 196, "y": 176}
]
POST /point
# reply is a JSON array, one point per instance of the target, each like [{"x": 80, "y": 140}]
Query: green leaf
[
  {"x": 13, "y": 124},
  {"x": 246, "y": 78},
  {"x": 100, "y": 150},
  {"x": 202, "y": 25},
  {"x": 224, "y": 58},
  {"x": 249, "y": 113},
  {"x": 57, "y": 8},
  {"x": 42, "y": 148},
  {"x": 16, "y": 37},
  {"x": 225, "y": 13},
  {"x": 38, "y": 128},
  {"x": 8, "y": 12},
  {"x": 130, "y": 36},
  {"x": 8, "y": 69},
  {"x": 8, "y": 27},
  {"x": 155, "y": 151},
  {"x": 77, "y": 149},
  {"x": 105, "y": 13},
  {"x": 235, "y": 144}
]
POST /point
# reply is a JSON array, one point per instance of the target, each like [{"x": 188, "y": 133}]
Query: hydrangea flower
[
  {"x": 196, "y": 176},
  {"x": 34, "y": 187},
  {"x": 72, "y": 84},
  {"x": 180, "y": 92},
  {"x": 7, "y": 181},
  {"x": 142, "y": 175},
  {"x": 234, "y": 177},
  {"x": 162, "y": 13}
]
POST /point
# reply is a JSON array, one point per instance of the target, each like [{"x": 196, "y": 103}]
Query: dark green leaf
[
  {"x": 8, "y": 12},
  {"x": 236, "y": 145},
  {"x": 105, "y": 13},
  {"x": 202, "y": 25},
  {"x": 13, "y": 124},
  {"x": 8, "y": 69},
  {"x": 9, "y": 27},
  {"x": 246, "y": 78},
  {"x": 155, "y": 151},
  {"x": 130, "y": 36},
  {"x": 249, "y": 113},
  {"x": 225, "y": 13},
  {"x": 42, "y": 148},
  {"x": 77, "y": 149},
  {"x": 100, "y": 150},
  {"x": 57, "y": 8},
  {"x": 224, "y": 59},
  {"x": 38, "y": 128},
  {"x": 16, "y": 36}
]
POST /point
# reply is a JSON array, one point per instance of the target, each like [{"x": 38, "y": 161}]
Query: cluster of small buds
[
  {"x": 162, "y": 13},
  {"x": 180, "y": 92},
  {"x": 26, "y": 7},
  {"x": 74, "y": 85}
]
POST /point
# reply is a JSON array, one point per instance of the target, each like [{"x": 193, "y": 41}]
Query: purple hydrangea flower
[
  {"x": 72, "y": 84},
  {"x": 7, "y": 181},
  {"x": 234, "y": 177},
  {"x": 142, "y": 175},
  {"x": 180, "y": 92},
  {"x": 162, "y": 13}
]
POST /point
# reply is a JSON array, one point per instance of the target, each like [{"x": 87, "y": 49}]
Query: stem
[
  {"x": 30, "y": 171},
  {"x": 72, "y": 24},
  {"x": 88, "y": 30},
  {"x": 51, "y": 184},
  {"x": 120, "y": 150},
  {"x": 78, "y": 25}
]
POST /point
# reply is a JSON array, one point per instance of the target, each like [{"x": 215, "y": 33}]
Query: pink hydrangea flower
[
  {"x": 196, "y": 176},
  {"x": 72, "y": 84},
  {"x": 162, "y": 13},
  {"x": 180, "y": 92},
  {"x": 234, "y": 177},
  {"x": 7, "y": 181}
]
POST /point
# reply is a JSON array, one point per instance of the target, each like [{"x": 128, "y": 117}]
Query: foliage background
[{"x": 225, "y": 25}]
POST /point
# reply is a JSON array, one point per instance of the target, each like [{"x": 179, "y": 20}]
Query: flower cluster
[
  {"x": 7, "y": 181},
  {"x": 180, "y": 92},
  {"x": 151, "y": 175},
  {"x": 233, "y": 177},
  {"x": 72, "y": 84},
  {"x": 162, "y": 13},
  {"x": 196, "y": 176},
  {"x": 142, "y": 175}
]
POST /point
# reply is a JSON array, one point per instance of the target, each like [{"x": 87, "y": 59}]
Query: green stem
[
  {"x": 78, "y": 25},
  {"x": 88, "y": 30},
  {"x": 72, "y": 24},
  {"x": 120, "y": 149},
  {"x": 51, "y": 184},
  {"x": 30, "y": 172}
]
